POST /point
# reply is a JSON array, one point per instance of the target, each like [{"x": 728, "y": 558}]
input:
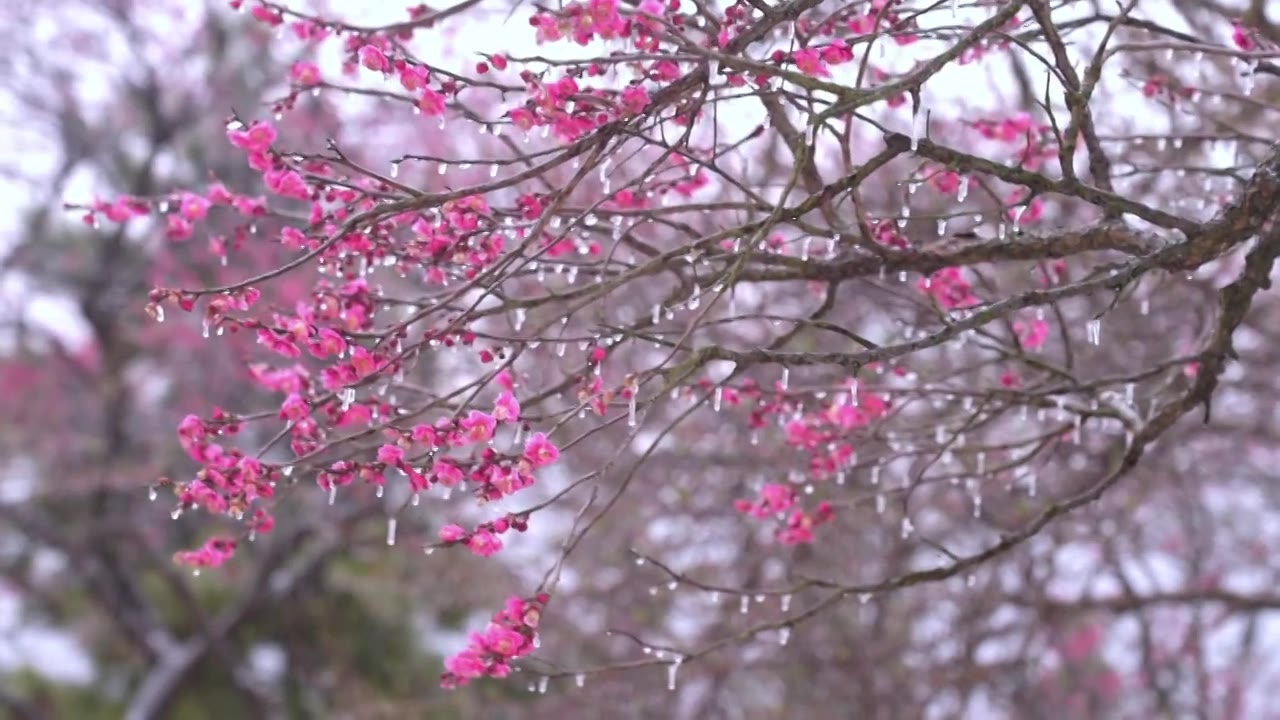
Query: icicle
[
  {"x": 378, "y": 491},
  {"x": 395, "y": 169},
  {"x": 717, "y": 398},
  {"x": 159, "y": 314},
  {"x": 840, "y": 478},
  {"x": 204, "y": 330},
  {"x": 391, "y": 531},
  {"x": 744, "y": 604},
  {"x": 785, "y": 603},
  {"x": 151, "y": 493},
  {"x": 942, "y": 228},
  {"x": 493, "y": 170},
  {"x": 333, "y": 492},
  {"x": 580, "y": 679},
  {"x": 177, "y": 513},
  {"x": 543, "y": 682},
  {"x": 918, "y": 121},
  {"x": 520, "y": 316},
  {"x": 631, "y": 409},
  {"x": 287, "y": 470},
  {"x": 784, "y": 634},
  {"x": 804, "y": 249},
  {"x": 875, "y": 474},
  {"x": 443, "y": 168},
  {"x": 864, "y": 598},
  {"x": 672, "y": 669},
  {"x": 880, "y": 504},
  {"x": 963, "y": 191},
  {"x": 786, "y": 377},
  {"x": 1145, "y": 307},
  {"x": 1094, "y": 329},
  {"x": 417, "y": 498},
  {"x": 907, "y": 528}
]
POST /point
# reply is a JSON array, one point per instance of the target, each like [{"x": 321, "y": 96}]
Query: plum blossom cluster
[
  {"x": 484, "y": 540},
  {"x": 825, "y": 435},
  {"x": 794, "y": 528},
  {"x": 212, "y": 554},
  {"x": 510, "y": 635}
]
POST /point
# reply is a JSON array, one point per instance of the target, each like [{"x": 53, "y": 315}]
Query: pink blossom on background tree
[{"x": 749, "y": 295}]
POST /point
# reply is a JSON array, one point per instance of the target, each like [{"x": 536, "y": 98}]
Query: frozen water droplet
[
  {"x": 863, "y": 598},
  {"x": 631, "y": 409},
  {"x": 391, "y": 531},
  {"x": 970, "y": 580},
  {"x": 1145, "y": 307},
  {"x": 333, "y": 492},
  {"x": 784, "y": 634},
  {"x": 417, "y": 498},
  {"x": 579, "y": 679},
  {"x": 204, "y": 330},
  {"x": 673, "y": 668},
  {"x": 785, "y": 603},
  {"x": 177, "y": 513},
  {"x": 717, "y": 398},
  {"x": 880, "y": 504},
  {"x": 287, "y": 470},
  {"x": 395, "y": 169},
  {"x": 543, "y": 682},
  {"x": 639, "y": 561},
  {"x": 786, "y": 378},
  {"x": 942, "y": 228},
  {"x": 875, "y": 474},
  {"x": 159, "y": 314},
  {"x": 378, "y": 491},
  {"x": 744, "y": 604},
  {"x": 151, "y": 493}
]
